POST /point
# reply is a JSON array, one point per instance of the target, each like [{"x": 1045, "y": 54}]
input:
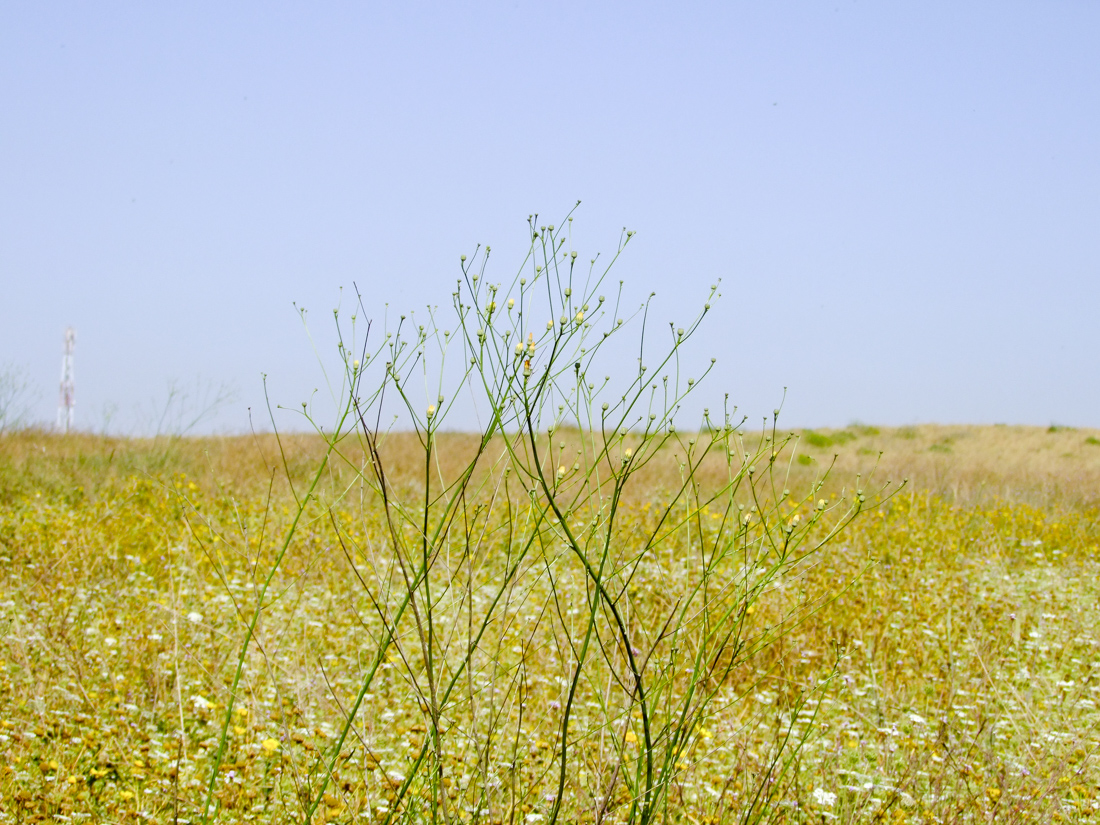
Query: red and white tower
[{"x": 67, "y": 403}]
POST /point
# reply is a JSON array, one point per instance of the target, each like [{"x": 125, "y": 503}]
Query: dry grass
[{"x": 947, "y": 670}]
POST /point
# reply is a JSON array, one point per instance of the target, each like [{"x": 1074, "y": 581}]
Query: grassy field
[{"x": 937, "y": 660}]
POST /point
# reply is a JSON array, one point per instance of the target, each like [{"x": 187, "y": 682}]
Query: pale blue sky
[{"x": 903, "y": 199}]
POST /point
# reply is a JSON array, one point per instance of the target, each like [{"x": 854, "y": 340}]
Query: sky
[{"x": 902, "y": 200}]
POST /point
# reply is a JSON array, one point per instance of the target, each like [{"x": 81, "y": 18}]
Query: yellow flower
[
  {"x": 630, "y": 737},
  {"x": 270, "y": 745}
]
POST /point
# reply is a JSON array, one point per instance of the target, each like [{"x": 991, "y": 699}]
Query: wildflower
[
  {"x": 270, "y": 745},
  {"x": 823, "y": 797},
  {"x": 511, "y": 302},
  {"x": 631, "y": 738},
  {"x": 627, "y": 453},
  {"x": 579, "y": 318},
  {"x": 355, "y": 364},
  {"x": 431, "y": 410},
  {"x": 194, "y": 617}
]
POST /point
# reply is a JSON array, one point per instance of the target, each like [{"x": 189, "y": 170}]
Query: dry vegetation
[
  {"x": 585, "y": 612},
  {"x": 938, "y": 661}
]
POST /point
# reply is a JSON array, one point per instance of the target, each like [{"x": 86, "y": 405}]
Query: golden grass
[{"x": 947, "y": 670}]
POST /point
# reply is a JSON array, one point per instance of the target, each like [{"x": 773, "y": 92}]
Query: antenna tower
[{"x": 67, "y": 403}]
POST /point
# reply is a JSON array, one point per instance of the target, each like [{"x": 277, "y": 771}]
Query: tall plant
[{"x": 582, "y": 565}]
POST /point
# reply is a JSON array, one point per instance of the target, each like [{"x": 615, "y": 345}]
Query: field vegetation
[
  {"x": 585, "y": 611},
  {"x": 948, "y": 670}
]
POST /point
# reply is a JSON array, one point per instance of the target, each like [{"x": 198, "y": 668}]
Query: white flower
[
  {"x": 822, "y": 797},
  {"x": 917, "y": 720},
  {"x": 194, "y": 617}
]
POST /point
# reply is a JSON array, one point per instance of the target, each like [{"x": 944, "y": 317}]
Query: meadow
[
  {"x": 585, "y": 611},
  {"x": 942, "y": 663}
]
